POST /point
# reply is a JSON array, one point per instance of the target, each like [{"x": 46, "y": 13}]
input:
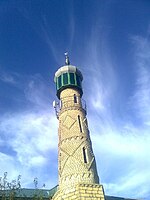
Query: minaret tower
[{"x": 76, "y": 161}]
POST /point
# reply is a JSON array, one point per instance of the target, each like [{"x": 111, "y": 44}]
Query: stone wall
[{"x": 81, "y": 192}]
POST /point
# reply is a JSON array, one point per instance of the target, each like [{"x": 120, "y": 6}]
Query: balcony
[{"x": 67, "y": 103}]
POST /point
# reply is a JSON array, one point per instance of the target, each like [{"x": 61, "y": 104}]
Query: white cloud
[
  {"x": 28, "y": 141},
  {"x": 29, "y": 133},
  {"x": 123, "y": 162},
  {"x": 33, "y": 138},
  {"x": 4, "y": 160}
]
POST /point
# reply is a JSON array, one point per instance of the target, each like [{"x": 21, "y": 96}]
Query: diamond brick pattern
[{"x": 69, "y": 121}]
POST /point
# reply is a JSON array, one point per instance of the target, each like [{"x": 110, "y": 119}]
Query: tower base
[{"x": 81, "y": 192}]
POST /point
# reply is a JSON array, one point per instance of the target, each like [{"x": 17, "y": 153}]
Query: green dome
[{"x": 68, "y": 77}]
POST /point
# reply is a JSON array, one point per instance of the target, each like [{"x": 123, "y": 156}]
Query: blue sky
[{"x": 110, "y": 42}]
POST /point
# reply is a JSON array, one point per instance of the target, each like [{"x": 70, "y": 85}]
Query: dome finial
[{"x": 67, "y": 62}]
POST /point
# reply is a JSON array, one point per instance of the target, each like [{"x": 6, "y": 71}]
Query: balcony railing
[{"x": 70, "y": 102}]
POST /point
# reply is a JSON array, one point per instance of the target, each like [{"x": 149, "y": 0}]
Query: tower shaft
[{"x": 76, "y": 158}]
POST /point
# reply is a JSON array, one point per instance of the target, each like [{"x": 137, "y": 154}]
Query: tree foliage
[{"x": 8, "y": 189}]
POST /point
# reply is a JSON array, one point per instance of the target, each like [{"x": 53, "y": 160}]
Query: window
[
  {"x": 78, "y": 81},
  {"x": 72, "y": 81},
  {"x": 75, "y": 98},
  {"x": 84, "y": 155},
  {"x": 59, "y": 82},
  {"x": 79, "y": 120},
  {"x": 65, "y": 79}
]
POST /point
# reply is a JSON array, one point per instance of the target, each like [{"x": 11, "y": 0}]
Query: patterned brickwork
[
  {"x": 81, "y": 192},
  {"x": 75, "y": 166}
]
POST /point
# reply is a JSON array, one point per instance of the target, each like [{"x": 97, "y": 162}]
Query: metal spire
[{"x": 67, "y": 62}]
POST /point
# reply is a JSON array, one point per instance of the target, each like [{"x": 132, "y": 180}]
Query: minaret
[{"x": 76, "y": 161}]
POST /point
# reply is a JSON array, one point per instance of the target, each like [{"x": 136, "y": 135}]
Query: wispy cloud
[
  {"x": 45, "y": 35},
  {"x": 141, "y": 97},
  {"x": 121, "y": 146},
  {"x": 7, "y": 78},
  {"x": 37, "y": 92}
]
